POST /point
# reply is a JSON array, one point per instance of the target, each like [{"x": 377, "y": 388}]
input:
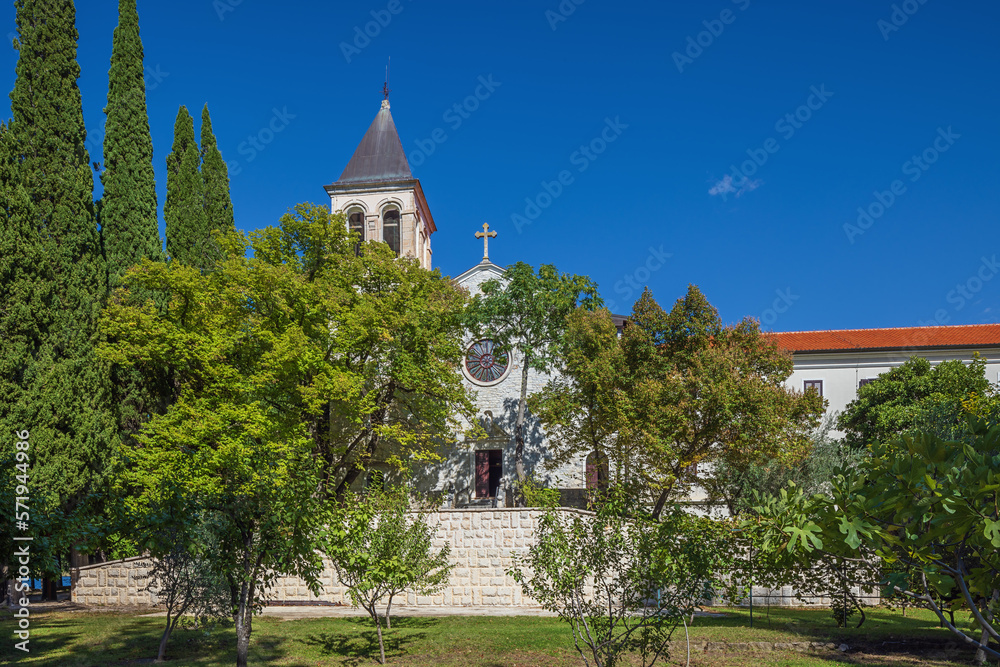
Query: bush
[
  {"x": 624, "y": 582},
  {"x": 380, "y": 549},
  {"x": 537, "y": 495}
]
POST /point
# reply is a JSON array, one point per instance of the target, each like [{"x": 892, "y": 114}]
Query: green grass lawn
[{"x": 102, "y": 639}]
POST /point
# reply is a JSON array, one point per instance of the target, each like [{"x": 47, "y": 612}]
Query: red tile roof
[{"x": 973, "y": 335}]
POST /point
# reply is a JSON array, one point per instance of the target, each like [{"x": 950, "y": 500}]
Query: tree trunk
[
  {"x": 345, "y": 484},
  {"x": 378, "y": 419},
  {"x": 378, "y": 628},
  {"x": 49, "y": 592},
  {"x": 660, "y": 502},
  {"x": 163, "y": 640},
  {"x": 984, "y": 639},
  {"x": 244, "y": 619},
  {"x": 519, "y": 431},
  {"x": 243, "y": 629},
  {"x": 388, "y": 624}
]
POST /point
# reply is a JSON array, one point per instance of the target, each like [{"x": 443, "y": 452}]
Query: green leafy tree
[
  {"x": 293, "y": 368},
  {"x": 623, "y": 581},
  {"x": 185, "y": 580},
  {"x": 218, "y": 205},
  {"x": 8, "y": 561},
  {"x": 380, "y": 549},
  {"x": 128, "y": 207},
  {"x": 188, "y": 233},
  {"x": 927, "y": 507},
  {"x": 421, "y": 569},
  {"x": 740, "y": 487},
  {"x": 537, "y": 494},
  {"x": 526, "y": 312},
  {"x": 52, "y": 283},
  {"x": 709, "y": 392},
  {"x": 674, "y": 391},
  {"x": 247, "y": 347},
  {"x": 398, "y": 334},
  {"x": 844, "y": 578},
  {"x": 585, "y": 408},
  {"x": 128, "y": 217},
  {"x": 7, "y": 482},
  {"x": 913, "y": 395}
]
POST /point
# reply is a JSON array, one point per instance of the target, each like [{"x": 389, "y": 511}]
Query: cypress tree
[
  {"x": 128, "y": 213},
  {"x": 129, "y": 225},
  {"x": 52, "y": 282},
  {"x": 215, "y": 175},
  {"x": 184, "y": 210}
]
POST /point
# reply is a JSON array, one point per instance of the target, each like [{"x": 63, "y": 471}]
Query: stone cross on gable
[{"x": 486, "y": 235}]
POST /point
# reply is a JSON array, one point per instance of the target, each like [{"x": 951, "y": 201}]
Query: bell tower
[{"x": 379, "y": 196}]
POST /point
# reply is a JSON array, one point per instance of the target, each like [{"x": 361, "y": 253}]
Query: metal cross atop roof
[{"x": 486, "y": 235}]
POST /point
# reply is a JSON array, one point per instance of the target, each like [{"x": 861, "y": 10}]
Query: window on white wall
[
  {"x": 862, "y": 382},
  {"x": 390, "y": 229},
  {"x": 815, "y": 385},
  {"x": 356, "y": 223}
]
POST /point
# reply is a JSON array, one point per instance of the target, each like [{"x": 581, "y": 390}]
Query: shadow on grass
[
  {"x": 886, "y": 637},
  {"x": 413, "y": 622},
  {"x": 360, "y": 643},
  {"x": 39, "y": 644},
  {"x": 116, "y": 640},
  {"x": 817, "y": 624}
]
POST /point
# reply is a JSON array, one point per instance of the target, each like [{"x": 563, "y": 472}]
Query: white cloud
[{"x": 727, "y": 186}]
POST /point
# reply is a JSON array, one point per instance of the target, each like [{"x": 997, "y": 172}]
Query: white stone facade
[
  {"x": 843, "y": 372},
  {"x": 496, "y": 407}
]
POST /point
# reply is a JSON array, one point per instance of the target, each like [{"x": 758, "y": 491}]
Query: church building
[{"x": 383, "y": 201}]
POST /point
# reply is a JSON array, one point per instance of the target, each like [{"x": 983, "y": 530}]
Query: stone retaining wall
[
  {"x": 482, "y": 542},
  {"x": 118, "y": 583}
]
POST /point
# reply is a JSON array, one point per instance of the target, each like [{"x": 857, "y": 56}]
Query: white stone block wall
[
  {"x": 482, "y": 546},
  {"x": 117, "y": 583},
  {"x": 483, "y": 543}
]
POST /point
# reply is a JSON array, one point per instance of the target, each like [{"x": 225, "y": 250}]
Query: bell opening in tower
[{"x": 390, "y": 229}]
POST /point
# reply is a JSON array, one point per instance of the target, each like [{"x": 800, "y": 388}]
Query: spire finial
[
  {"x": 385, "y": 88},
  {"x": 486, "y": 235}
]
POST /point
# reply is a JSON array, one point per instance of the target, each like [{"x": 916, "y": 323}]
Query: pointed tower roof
[{"x": 379, "y": 157}]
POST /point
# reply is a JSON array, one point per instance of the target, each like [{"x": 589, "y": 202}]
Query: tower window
[
  {"x": 390, "y": 229},
  {"x": 356, "y": 224}
]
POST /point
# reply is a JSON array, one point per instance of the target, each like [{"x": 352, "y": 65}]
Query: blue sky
[{"x": 794, "y": 115}]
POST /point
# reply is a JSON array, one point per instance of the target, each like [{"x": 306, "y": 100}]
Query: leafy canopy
[
  {"x": 293, "y": 368},
  {"x": 526, "y": 311},
  {"x": 52, "y": 284},
  {"x": 914, "y": 395},
  {"x": 676, "y": 389},
  {"x": 925, "y": 506}
]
